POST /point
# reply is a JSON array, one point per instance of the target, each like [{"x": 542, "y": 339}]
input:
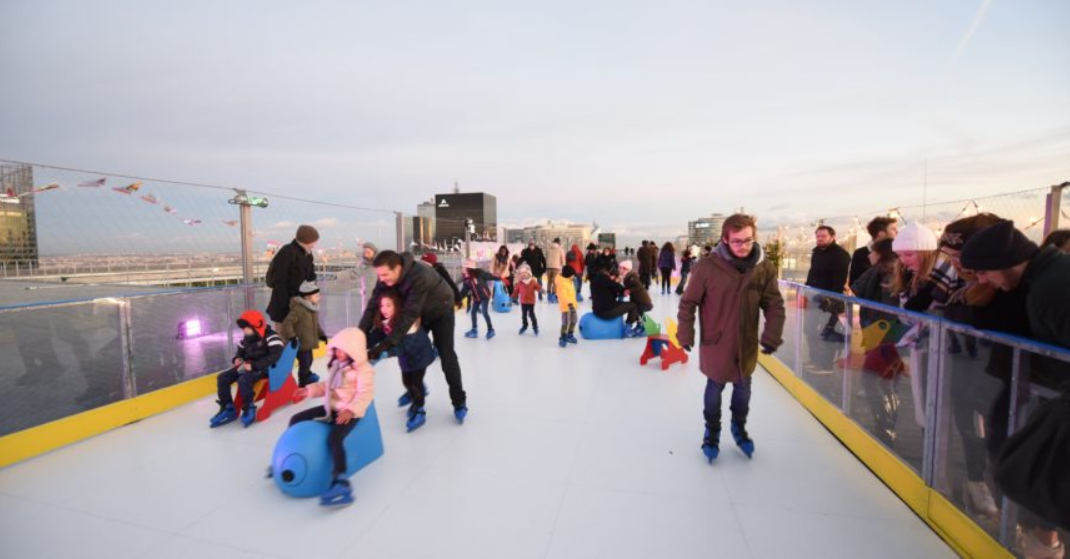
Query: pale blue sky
[{"x": 639, "y": 113}]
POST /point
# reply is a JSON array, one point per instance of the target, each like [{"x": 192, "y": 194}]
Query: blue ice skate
[
  {"x": 711, "y": 444},
  {"x": 743, "y": 441},
  {"x": 226, "y": 414},
  {"x": 339, "y": 494}
]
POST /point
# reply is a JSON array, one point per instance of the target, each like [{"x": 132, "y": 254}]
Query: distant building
[
  {"x": 18, "y": 218},
  {"x": 706, "y": 230},
  {"x": 453, "y": 210},
  {"x": 607, "y": 240},
  {"x": 423, "y": 225},
  {"x": 543, "y": 235}
]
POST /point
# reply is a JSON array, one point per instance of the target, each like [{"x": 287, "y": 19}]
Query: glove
[
  {"x": 768, "y": 349},
  {"x": 375, "y": 352}
]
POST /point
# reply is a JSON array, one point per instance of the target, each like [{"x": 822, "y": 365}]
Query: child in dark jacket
[
  {"x": 477, "y": 289},
  {"x": 258, "y": 350},
  {"x": 415, "y": 353},
  {"x": 524, "y": 291}
]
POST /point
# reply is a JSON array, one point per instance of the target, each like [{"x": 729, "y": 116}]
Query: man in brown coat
[{"x": 729, "y": 289}]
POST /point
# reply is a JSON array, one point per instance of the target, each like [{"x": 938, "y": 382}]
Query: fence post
[
  {"x": 1053, "y": 208},
  {"x": 1019, "y": 381},
  {"x": 933, "y": 375},
  {"x": 126, "y": 342}
]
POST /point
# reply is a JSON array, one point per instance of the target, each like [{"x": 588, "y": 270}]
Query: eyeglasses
[{"x": 741, "y": 243}]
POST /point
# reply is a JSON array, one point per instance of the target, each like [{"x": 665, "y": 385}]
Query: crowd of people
[{"x": 980, "y": 271}]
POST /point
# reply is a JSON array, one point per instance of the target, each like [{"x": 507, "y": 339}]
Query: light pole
[{"x": 245, "y": 204}]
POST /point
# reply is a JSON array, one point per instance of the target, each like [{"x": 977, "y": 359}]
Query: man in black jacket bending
[{"x": 425, "y": 296}]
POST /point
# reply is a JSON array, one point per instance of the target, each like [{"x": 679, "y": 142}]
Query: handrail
[{"x": 1035, "y": 346}]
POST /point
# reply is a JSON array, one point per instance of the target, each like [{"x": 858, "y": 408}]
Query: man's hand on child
[
  {"x": 344, "y": 416},
  {"x": 301, "y": 393}
]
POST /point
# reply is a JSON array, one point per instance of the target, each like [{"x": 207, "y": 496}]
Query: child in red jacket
[{"x": 524, "y": 291}]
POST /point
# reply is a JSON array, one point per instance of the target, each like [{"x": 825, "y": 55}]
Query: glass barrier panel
[
  {"x": 885, "y": 375},
  {"x": 58, "y": 361},
  {"x": 178, "y": 337},
  {"x": 971, "y": 423},
  {"x": 823, "y": 338},
  {"x": 788, "y": 352}
]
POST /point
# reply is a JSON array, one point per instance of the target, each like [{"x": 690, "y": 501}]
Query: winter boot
[
  {"x": 473, "y": 333},
  {"x": 743, "y": 441},
  {"x": 522, "y": 330},
  {"x": 979, "y": 499},
  {"x": 490, "y": 333},
  {"x": 416, "y": 420},
  {"x": 226, "y": 414},
  {"x": 711, "y": 443},
  {"x": 562, "y": 341},
  {"x": 248, "y": 415},
  {"x": 460, "y": 413},
  {"x": 339, "y": 494}
]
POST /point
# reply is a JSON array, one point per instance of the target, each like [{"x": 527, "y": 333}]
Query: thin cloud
[{"x": 985, "y": 4}]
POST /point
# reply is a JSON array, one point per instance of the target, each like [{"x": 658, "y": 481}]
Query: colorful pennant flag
[
  {"x": 230, "y": 222},
  {"x": 93, "y": 184},
  {"x": 169, "y": 209},
  {"x": 47, "y": 187},
  {"x": 128, "y": 189},
  {"x": 149, "y": 198},
  {"x": 191, "y": 221}
]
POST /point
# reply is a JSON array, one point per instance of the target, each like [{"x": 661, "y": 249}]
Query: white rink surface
[{"x": 575, "y": 452}]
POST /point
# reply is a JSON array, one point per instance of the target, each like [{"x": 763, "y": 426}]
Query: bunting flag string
[{"x": 93, "y": 184}]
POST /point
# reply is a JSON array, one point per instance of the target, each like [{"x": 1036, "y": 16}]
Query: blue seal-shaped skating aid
[
  {"x": 594, "y": 328},
  {"x": 501, "y": 302},
  {"x": 301, "y": 462}
]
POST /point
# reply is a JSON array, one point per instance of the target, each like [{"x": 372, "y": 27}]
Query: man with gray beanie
[
  {"x": 1004, "y": 258},
  {"x": 291, "y": 266}
]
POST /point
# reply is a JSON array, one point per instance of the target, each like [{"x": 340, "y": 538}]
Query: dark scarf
[{"x": 740, "y": 264}]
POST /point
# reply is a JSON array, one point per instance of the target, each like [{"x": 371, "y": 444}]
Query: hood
[
  {"x": 253, "y": 319},
  {"x": 756, "y": 256},
  {"x": 352, "y": 341}
]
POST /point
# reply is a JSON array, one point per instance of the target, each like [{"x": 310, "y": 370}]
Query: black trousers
[
  {"x": 414, "y": 383},
  {"x": 246, "y": 381},
  {"x": 626, "y": 308},
  {"x": 442, "y": 331},
  {"x": 526, "y": 311},
  {"x": 644, "y": 277},
  {"x": 304, "y": 366},
  {"x": 666, "y": 278},
  {"x": 336, "y": 438}
]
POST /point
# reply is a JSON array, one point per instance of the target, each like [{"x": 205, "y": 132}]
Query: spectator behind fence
[
  {"x": 878, "y": 228},
  {"x": 1002, "y": 256}
]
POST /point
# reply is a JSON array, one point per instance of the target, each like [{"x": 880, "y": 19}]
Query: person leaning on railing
[{"x": 1003, "y": 257}]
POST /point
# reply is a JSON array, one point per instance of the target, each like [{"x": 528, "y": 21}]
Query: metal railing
[{"x": 941, "y": 396}]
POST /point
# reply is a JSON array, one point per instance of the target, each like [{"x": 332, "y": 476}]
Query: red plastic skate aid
[
  {"x": 664, "y": 346},
  {"x": 279, "y": 388}
]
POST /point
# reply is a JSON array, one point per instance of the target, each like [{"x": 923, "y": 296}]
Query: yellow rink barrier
[
  {"x": 963, "y": 535},
  {"x": 38, "y": 440}
]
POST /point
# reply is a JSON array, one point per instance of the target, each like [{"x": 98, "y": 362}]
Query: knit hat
[
  {"x": 372, "y": 246},
  {"x": 592, "y": 246},
  {"x": 470, "y": 264},
  {"x": 430, "y": 258},
  {"x": 308, "y": 288},
  {"x": 998, "y": 247},
  {"x": 915, "y": 236},
  {"x": 307, "y": 234}
]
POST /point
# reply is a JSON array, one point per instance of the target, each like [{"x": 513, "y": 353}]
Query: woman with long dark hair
[{"x": 666, "y": 265}]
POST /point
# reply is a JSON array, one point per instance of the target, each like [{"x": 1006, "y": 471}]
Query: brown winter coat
[
  {"x": 728, "y": 304},
  {"x": 304, "y": 323}
]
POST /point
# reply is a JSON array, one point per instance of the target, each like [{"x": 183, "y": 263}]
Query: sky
[{"x": 637, "y": 115}]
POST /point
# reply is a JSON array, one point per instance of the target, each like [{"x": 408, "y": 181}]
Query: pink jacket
[{"x": 351, "y": 384}]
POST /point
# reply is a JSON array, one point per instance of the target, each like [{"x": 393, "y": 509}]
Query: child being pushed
[
  {"x": 415, "y": 353},
  {"x": 349, "y": 390}
]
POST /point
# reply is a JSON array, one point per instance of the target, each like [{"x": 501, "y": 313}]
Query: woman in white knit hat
[{"x": 916, "y": 246}]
